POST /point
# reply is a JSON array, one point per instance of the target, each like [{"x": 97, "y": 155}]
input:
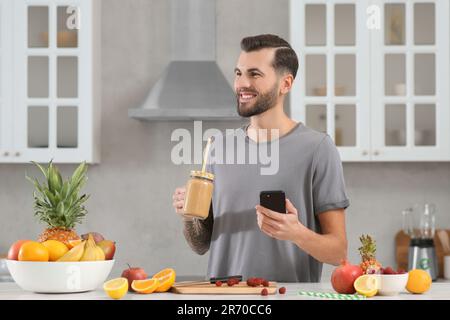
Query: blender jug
[{"x": 422, "y": 253}]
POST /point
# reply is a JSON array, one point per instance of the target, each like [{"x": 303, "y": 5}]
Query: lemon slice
[
  {"x": 116, "y": 288},
  {"x": 367, "y": 285}
]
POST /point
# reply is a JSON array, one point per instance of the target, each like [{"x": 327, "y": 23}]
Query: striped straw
[{"x": 329, "y": 295}]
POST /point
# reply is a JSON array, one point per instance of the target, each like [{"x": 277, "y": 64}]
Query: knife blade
[{"x": 212, "y": 280}]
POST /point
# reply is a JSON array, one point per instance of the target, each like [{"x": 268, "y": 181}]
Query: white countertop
[{"x": 10, "y": 291}]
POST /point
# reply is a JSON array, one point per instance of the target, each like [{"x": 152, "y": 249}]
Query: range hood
[{"x": 192, "y": 86}]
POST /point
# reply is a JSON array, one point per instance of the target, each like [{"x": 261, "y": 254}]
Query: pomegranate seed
[
  {"x": 282, "y": 290},
  {"x": 264, "y": 292},
  {"x": 219, "y": 283}
]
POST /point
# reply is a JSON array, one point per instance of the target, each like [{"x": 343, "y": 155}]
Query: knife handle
[{"x": 215, "y": 279}]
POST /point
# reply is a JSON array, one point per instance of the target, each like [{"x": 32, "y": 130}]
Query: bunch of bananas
[{"x": 85, "y": 251}]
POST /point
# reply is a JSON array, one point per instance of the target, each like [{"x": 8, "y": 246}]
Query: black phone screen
[{"x": 273, "y": 200}]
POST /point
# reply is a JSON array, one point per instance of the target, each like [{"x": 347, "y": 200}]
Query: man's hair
[{"x": 285, "y": 57}]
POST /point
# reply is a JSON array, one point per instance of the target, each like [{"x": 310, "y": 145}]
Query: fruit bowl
[
  {"x": 392, "y": 284},
  {"x": 59, "y": 277}
]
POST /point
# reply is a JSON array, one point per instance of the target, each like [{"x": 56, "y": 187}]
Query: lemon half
[
  {"x": 116, "y": 288},
  {"x": 367, "y": 285}
]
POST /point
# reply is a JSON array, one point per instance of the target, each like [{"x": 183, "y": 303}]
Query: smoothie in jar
[{"x": 198, "y": 195}]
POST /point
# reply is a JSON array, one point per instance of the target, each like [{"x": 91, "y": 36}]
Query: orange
[
  {"x": 116, "y": 288},
  {"x": 145, "y": 286},
  {"x": 73, "y": 243},
  {"x": 56, "y": 249},
  {"x": 419, "y": 281},
  {"x": 33, "y": 251},
  {"x": 166, "y": 279}
]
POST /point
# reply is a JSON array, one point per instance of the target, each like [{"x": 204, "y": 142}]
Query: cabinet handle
[
  {"x": 6, "y": 153},
  {"x": 17, "y": 154},
  {"x": 365, "y": 153},
  {"x": 376, "y": 153}
]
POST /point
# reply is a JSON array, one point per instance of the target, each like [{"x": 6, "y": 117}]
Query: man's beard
[{"x": 263, "y": 102}]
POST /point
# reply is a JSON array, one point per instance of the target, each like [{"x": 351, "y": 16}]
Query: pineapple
[
  {"x": 57, "y": 203},
  {"x": 367, "y": 251}
]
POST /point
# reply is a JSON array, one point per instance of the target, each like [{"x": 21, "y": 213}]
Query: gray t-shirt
[{"x": 310, "y": 174}]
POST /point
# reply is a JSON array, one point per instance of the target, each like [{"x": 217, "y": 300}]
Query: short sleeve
[{"x": 328, "y": 178}]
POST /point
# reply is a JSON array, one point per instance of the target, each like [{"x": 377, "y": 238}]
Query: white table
[{"x": 10, "y": 291}]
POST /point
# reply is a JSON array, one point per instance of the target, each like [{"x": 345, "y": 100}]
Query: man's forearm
[
  {"x": 198, "y": 233},
  {"x": 326, "y": 248}
]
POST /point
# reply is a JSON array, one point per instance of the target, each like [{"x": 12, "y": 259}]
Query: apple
[
  {"x": 13, "y": 253},
  {"x": 97, "y": 236},
  {"x": 134, "y": 274},
  {"x": 108, "y": 247}
]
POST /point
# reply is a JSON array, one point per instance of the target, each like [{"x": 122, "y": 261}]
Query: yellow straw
[{"x": 205, "y": 155}]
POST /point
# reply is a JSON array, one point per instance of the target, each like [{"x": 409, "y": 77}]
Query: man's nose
[{"x": 241, "y": 82}]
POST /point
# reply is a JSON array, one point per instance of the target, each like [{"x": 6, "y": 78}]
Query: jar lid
[{"x": 202, "y": 174}]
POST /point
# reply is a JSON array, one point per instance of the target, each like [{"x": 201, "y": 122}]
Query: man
[{"x": 245, "y": 238}]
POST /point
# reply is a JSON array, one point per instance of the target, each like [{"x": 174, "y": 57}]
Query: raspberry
[
  {"x": 401, "y": 271},
  {"x": 232, "y": 282},
  {"x": 265, "y": 283},
  {"x": 251, "y": 283},
  {"x": 282, "y": 290},
  {"x": 254, "y": 282},
  {"x": 389, "y": 270},
  {"x": 218, "y": 283},
  {"x": 264, "y": 292}
]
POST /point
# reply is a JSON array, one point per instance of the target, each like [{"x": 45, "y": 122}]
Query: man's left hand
[{"x": 279, "y": 225}]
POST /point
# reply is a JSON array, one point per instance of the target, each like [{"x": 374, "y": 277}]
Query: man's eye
[
  {"x": 254, "y": 75},
  {"x": 237, "y": 74}
]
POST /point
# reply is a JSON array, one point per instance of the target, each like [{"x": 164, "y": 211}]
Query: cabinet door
[
  {"x": 331, "y": 92},
  {"x": 410, "y": 110},
  {"x": 54, "y": 83},
  {"x": 5, "y": 80}
]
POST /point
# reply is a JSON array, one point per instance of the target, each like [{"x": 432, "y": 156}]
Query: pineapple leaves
[
  {"x": 44, "y": 172},
  {"x": 58, "y": 203},
  {"x": 54, "y": 178}
]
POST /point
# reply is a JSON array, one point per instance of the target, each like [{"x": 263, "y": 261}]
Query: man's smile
[{"x": 246, "y": 96}]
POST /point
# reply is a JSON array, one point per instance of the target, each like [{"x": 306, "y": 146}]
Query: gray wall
[{"x": 132, "y": 187}]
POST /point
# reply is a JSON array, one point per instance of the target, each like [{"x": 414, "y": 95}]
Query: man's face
[{"x": 256, "y": 82}]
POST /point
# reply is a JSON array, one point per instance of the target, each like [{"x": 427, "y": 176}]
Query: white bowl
[
  {"x": 59, "y": 277},
  {"x": 392, "y": 284}
]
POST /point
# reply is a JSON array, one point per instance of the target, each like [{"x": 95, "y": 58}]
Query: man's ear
[{"x": 286, "y": 83}]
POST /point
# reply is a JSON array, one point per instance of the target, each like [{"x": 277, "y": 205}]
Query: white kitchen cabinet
[
  {"x": 374, "y": 75},
  {"x": 54, "y": 81}
]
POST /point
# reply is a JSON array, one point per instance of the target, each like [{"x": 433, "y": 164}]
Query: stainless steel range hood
[{"x": 192, "y": 86}]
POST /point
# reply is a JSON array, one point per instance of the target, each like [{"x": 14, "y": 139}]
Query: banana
[
  {"x": 92, "y": 252},
  {"x": 74, "y": 254}
]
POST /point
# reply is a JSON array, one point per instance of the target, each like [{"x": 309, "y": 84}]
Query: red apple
[
  {"x": 134, "y": 274},
  {"x": 108, "y": 247},
  {"x": 13, "y": 253}
]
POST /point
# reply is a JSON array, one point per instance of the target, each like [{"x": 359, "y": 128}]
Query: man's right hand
[{"x": 178, "y": 199}]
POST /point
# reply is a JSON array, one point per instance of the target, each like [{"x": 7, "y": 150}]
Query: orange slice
[
  {"x": 73, "y": 243},
  {"x": 145, "y": 286},
  {"x": 166, "y": 279}
]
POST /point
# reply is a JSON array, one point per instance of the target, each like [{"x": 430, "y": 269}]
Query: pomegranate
[{"x": 343, "y": 277}]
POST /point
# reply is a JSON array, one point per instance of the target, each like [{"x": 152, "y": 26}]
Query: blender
[{"x": 419, "y": 224}]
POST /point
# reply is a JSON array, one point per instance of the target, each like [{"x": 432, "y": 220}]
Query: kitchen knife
[{"x": 211, "y": 280}]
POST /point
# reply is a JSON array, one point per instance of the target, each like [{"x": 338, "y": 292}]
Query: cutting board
[
  {"x": 402, "y": 248},
  {"x": 209, "y": 288}
]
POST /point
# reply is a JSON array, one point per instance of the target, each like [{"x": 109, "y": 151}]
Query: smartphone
[{"x": 274, "y": 200}]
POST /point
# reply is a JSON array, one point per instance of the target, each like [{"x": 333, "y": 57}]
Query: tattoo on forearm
[{"x": 198, "y": 233}]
